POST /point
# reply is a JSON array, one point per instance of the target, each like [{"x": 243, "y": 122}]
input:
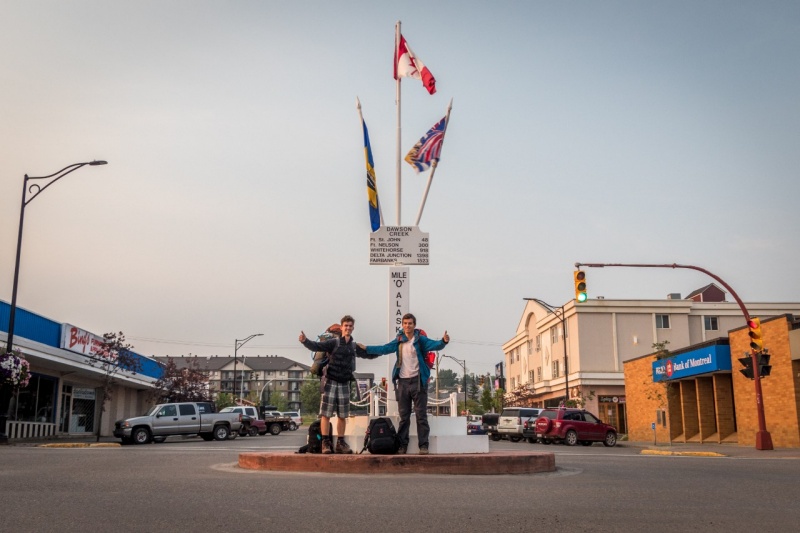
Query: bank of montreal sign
[{"x": 701, "y": 361}]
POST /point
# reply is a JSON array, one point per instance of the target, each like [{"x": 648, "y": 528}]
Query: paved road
[{"x": 192, "y": 485}]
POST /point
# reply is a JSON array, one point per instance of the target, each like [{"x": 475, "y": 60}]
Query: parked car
[
  {"x": 251, "y": 424},
  {"x": 475, "y": 425},
  {"x": 529, "y": 430},
  {"x": 572, "y": 426},
  {"x": 490, "y": 425},
  {"x": 511, "y": 420},
  {"x": 297, "y": 420}
]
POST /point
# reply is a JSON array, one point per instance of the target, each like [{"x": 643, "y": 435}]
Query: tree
[
  {"x": 473, "y": 389},
  {"x": 661, "y": 391},
  {"x": 278, "y": 400},
  {"x": 224, "y": 399},
  {"x": 187, "y": 384},
  {"x": 310, "y": 397},
  {"x": 114, "y": 356},
  {"x": 487, "y": 402},
  {"x": 498, "y": 400},
  {"x": 448, "y": 379}
]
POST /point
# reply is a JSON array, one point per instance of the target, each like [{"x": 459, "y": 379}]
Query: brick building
[{"x": 698, "y": 394}]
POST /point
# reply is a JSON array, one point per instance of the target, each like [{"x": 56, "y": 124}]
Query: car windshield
[
  {"x": 510, "y": 412},
  {"x": 153, "y": 410}
]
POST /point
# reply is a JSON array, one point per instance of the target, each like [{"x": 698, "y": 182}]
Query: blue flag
[{"x": 372, "y": 188}]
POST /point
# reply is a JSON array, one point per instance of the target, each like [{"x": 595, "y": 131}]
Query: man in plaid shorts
[{"x": 342, "y": 352}]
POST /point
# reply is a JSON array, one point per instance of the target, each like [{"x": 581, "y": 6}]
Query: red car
[{"x": 572, "y": 426}]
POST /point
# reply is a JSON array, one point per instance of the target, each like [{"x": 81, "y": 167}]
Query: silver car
[{"x": 511, "y": 421}]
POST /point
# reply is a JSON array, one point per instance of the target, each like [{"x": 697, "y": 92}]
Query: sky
[{"x": 234, "y": 199}]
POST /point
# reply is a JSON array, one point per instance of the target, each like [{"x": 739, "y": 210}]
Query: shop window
[
  {"x": 36, "y": 402},
  {"x": 711, "y": 323},
  {"x": 662, "y": 321}
]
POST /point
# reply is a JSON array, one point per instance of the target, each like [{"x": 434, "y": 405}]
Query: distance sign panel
[{"x": 404, "y": 245}]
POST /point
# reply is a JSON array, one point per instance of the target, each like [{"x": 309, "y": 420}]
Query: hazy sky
[{"x": 234, "y": 201}]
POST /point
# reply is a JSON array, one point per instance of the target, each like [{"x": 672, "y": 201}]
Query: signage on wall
[
  {"x": 83, "y": 394},
  {"x": 403, "y": 245},
  {"x": 80, "y": 341},
  {"x": 701, "y": 361}
]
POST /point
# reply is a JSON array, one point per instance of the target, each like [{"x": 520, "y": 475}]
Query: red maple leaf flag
[{"x": 407, "y": 64}]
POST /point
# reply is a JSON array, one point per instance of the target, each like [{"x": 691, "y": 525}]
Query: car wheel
[
  {"x": 292, "y": 426},
  {"x": 515, "y": 439},
  {"x": 222, "y": 432},
  {"x": 531, "y": 440},
  {"x": 275, "y": 429},
  {"x": 586, "y": 443},
  {"x": 496, "y": 437},
  {"x": 546, "y": 441},
  {"x": 571, "y": 438},
  {"x": 141, "y": 436},
  {"x": 610, "y": 440},
  {"x": 253, "y": 431}
]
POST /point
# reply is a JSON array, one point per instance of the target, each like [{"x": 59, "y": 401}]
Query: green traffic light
[{"x": 582, "y": 297}]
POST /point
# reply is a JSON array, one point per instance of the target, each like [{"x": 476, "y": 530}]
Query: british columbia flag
[{"x": 429, "y": 148}]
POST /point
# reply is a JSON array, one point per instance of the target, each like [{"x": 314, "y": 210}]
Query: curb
[
  {"x": 80, "y": 445},
  {"x": 688, "y": 454}
]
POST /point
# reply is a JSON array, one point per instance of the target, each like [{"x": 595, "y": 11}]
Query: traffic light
[
  {"x": 756, "y": 336},
  {"x": 580, "y": 286},
  {"x": 747, "y": 362}
]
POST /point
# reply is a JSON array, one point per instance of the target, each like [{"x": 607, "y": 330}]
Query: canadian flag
[{"x": 407, "y": 64}]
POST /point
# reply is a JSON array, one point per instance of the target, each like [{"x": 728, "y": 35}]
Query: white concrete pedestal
[{"x": 448, "y": 434}]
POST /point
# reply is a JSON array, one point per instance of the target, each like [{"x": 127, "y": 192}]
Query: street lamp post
[
  {"x": 553, "y": 309},
  {"x": 35, "y": 189},
  {"x": 238, "y": 344},
  {"x": 463, "y": 364}
]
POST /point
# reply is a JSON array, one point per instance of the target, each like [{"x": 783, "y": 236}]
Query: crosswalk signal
[
  {"x": 580, "y": 286},
  {"x": 764, "y": 368},
  {"x": 756, "y": 336},
  {"x": 747, "y": 362}
]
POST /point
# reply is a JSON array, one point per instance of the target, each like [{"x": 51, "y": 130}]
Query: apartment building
[{"x": 576, "y": 353}]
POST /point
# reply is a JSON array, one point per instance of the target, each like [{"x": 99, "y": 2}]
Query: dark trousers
[{"x": 408, "y": 391}]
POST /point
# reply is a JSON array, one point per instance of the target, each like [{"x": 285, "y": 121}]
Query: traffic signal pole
[{"x": 763, "y": 438}]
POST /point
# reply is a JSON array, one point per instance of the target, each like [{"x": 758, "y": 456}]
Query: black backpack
[
  {"x": 315, "y": 437},
  {"x": 381, "y": 437}
]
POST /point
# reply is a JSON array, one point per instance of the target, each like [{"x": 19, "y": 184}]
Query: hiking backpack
[
  {"x": 315, "y": 437},
  {"x": 381, "y": 437}
]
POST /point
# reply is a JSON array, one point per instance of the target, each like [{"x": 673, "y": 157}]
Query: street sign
[
  {"x": 653, "y": 425},
  {"x": 398, "y": 245}
]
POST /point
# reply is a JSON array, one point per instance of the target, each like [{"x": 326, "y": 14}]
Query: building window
[
  {"x": 529, "y": 343},
  {"x": 553, "y": 335},
  {"x": 538, "y": 342},
  {"x": 538, "y": 373},
  {"x": 556, "y": 367},
  {"x": 662, "y": 321},
  {"x": 712, "y": 324}
]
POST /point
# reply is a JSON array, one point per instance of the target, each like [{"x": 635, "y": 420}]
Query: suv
[
  {"x": 572, "y": 426},
  {"x": 511, "y": 421},
  {"x": 297, "y": 420}
]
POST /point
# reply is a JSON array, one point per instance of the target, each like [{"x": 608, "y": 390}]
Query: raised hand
[{"x": 302, "y": 337}]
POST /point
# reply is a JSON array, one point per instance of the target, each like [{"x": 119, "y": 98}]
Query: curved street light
[
  {"x": 555, "y": 311},
  {"x": 463, "y": 364},
  {"x": 238, "y": 344},
  {"x": 35, "y": 189}
]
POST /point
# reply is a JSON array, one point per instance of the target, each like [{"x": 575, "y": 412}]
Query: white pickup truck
[{"x": 184, "y": 418}]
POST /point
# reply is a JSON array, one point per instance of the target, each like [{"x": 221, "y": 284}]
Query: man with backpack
[
  {"x": 410, "y": 378},
  {"x": 337, "y": 374}
]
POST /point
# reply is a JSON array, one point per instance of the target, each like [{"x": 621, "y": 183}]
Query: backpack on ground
[
  {"x": 381, "y": 437},
  {"x": 315, "y": 437}
]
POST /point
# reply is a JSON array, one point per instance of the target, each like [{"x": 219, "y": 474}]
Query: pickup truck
[{"x": 184, "y": 418}]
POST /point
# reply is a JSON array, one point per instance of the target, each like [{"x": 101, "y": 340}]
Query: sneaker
[
  {"x": 343, "y": 447},
  {"x": 401, "y": 450},
  {"x": 326, "y": 446},
  {"x": 423, "y": 450}
]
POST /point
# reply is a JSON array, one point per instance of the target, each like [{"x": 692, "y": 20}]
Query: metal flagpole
[
  {"x": 397, "y": 101},
  {"x": 361, "y": 117},
  {"x": 433, "y": 166}
]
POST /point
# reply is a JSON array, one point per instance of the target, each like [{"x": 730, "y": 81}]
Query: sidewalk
[{"x": 711, "y": 449}]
